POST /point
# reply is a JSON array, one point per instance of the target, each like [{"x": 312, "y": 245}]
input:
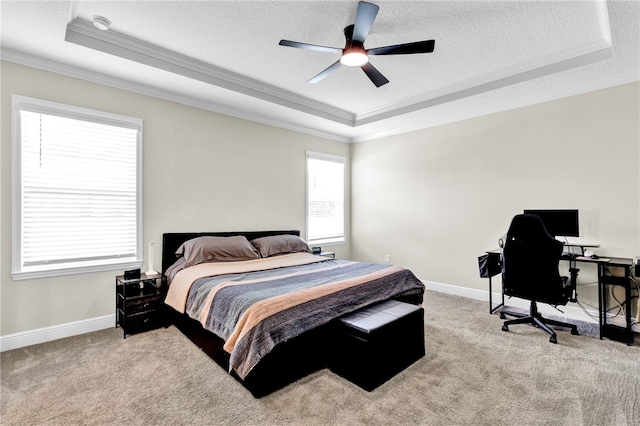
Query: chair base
[{"x": 536, "y": 319}]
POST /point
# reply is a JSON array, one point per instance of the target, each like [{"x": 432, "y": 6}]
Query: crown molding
[
  {"x": 116, "y": 83},
  {"x": 577, "y": 56},
  {"x": 85, "y": 34},
  {"x": 74, "y": 72},
  {"x": 565, "y": 92},
  {"x": 518, "y": 73},
  {"x": 603, "y": 20}
]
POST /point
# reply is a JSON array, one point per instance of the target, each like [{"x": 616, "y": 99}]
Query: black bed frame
[
  {"x": 289, "y": 361},
  {"x": 286, "y": 363}
]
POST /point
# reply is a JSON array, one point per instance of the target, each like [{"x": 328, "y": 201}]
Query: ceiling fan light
[{"x": 354, "y": 58}]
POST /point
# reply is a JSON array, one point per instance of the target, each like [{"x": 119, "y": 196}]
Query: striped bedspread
[{"x": 253, "y": 310}]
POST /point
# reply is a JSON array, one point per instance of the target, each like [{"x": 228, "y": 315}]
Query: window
[
  {"x": 325, "y": 198},
  {"x": 77, "y": 190}
]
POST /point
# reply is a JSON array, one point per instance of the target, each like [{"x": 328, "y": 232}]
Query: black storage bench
[{"x": 377, "y": 342}]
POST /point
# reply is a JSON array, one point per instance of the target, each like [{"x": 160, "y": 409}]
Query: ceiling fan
[{"x": 354, "y": 54}]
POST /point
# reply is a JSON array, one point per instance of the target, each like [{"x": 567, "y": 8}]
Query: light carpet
[{"x": 473, "y": 374}]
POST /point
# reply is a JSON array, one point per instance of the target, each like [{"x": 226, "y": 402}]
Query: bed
[{"x": 263, "y": 307}]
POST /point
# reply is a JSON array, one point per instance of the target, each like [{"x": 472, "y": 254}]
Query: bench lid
[{"x": 378, "y": 315}]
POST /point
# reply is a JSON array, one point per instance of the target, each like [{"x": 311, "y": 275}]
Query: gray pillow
[
  {"x": 216, "y": 249},
  {"x": 280, "y": 244}
]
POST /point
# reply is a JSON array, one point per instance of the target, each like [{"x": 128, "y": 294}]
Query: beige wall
[
  {"x": 202, "y": 171},
  {"x": 433, "y": 199},
  {"x": 436, "y": 199}
]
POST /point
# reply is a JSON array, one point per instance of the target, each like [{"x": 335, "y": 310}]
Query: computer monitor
[{"x": 559, "y": 223}]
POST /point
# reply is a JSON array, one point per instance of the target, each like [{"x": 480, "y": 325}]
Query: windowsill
[
  {"x": 87, "y": 269},
  {"x": 327, "y": 243}
]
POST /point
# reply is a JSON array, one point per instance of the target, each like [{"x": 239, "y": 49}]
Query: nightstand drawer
[
  {"x": 136, "y": 306},
  {"x": 142, "y": 322}
]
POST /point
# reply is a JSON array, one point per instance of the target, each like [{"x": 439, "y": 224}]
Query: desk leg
[
  {"x": 573, "y": 271},
  {"x": 603, "y": 282},
  {"x": 627, "y": 293},
  {"x": 602, "y": 314},
  {"x": 492, "y": 309}
]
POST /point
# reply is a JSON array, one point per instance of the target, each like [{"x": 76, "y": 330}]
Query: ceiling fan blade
[
  {"x": 325, "y": 73},
  {"x": 308, "y": 46},
  {"x": 374, "y": 75},
  {"x": 365, "y": 15},
  {"x": 425, "y": 46}
]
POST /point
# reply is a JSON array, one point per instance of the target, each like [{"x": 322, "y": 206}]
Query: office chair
[{"x": 530, "y": 271}]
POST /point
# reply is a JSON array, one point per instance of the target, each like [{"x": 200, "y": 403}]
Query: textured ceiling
[{"x": 224, "y": 56}]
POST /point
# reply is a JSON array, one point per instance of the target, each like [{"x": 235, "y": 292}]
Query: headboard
[{"x": 171, "y": 241}]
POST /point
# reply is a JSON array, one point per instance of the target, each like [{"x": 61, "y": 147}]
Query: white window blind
[
  {"x": 325, "y": 198},
  {"x": 78, "y": 191}
]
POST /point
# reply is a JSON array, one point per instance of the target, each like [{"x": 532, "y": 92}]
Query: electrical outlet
[{"x": 387, "y": 258}]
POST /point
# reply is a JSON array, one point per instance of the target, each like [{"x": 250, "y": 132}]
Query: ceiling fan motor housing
[{"x": 353, "y": 54}]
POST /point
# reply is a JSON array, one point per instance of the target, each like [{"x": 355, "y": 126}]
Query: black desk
[{"x": 605, "y": 279}]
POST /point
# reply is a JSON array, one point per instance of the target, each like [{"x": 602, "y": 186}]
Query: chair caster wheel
[
  {"x": 505, "y": 328},
  {"x": 502, "y": 316},
  {"x": 575, "y": 332},
  {"x": 553, "y": 339}
]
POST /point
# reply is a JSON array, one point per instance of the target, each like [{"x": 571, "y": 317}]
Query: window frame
[
  {"x": 338, "y": 159},
  {"x": 20, "y": 103}
]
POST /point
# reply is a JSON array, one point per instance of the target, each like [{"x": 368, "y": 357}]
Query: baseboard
[
  {"x": 55, "y": 332},
  {"x": 42, "y": 335},
  {"x": 569, "y": 311}
]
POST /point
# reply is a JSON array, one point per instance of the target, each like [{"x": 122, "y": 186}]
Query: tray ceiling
[{"x": 224, "y": 56}]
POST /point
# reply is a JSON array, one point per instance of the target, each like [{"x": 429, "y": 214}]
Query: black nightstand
[{"x": 139, "y": 303}]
